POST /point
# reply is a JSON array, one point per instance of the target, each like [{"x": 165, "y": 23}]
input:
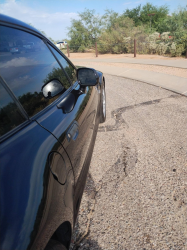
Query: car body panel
[
  {"x": 10, "y": 20},
  {"x": 43, "y": 171},
  {"x": 29, "y": 193},
  {"x": 85, "y": 114},
  {"x": 4, "y": 46}
]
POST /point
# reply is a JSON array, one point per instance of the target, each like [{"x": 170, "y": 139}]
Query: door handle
[
  {"x": 69, "y": 102},
  {"x": 73, "y": 131}
]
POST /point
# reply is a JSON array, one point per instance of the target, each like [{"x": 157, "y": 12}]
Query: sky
[{"x": 54, "y": 16}]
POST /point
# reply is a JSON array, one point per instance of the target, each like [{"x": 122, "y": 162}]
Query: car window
[
  {"x": 10, "y": 115},
  {"x": 27, "y": 67},
  {"x": 70, "y": 70}
]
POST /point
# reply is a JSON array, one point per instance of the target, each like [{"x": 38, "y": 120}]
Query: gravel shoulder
[{"x": 136, "y": 191}]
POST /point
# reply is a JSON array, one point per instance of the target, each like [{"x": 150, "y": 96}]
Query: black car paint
[
  {"x": 28, "y": 188},
  {"x": 33, "y": 202}
]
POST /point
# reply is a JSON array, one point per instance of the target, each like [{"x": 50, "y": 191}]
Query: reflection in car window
[
  {"x": 67, "y": 67},
  {"x": 27, "y": 67},
  {"x": 10, "y": 115}
]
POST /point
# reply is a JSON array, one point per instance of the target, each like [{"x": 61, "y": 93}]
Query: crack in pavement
[
  {"x": 127, "y": 159},
  {"x": 89, "y": 217},
  {"x": 117, "y": 114}
]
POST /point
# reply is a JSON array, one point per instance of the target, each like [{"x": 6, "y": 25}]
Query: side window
[
  {"x": 71, "y": 71},
  {"x": 27, "y": 67},
  {"x": 10, "y": 115}
]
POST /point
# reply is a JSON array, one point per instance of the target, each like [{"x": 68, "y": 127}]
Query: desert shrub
[
  {"x": 82, "y": 48},
  {"x": 152, "y": 47},
  {"x": 165, "y": 36},
  {"x": 179, "y": 50},
  {"x": 127, "y": 44},
  {"x": 161, "y": 48},
  {"x": 118, "y": 39},
  {"x": 153, "y": 36},
  {"x": 181, "y": 45},
  {"x": 172, "y": 49}
]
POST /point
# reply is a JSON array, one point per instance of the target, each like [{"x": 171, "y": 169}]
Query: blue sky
[{"x": 54, "y": 16}]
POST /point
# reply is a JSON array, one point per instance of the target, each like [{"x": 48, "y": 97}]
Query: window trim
[
  {"x": 18, "y": 104},
  {"x": 60, "y": 52},
  {"x": 20, "y": 108},
  {"x": 69, "y": 80}
]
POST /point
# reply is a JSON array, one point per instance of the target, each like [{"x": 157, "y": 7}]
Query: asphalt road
[{"x": 136, "y": 192}]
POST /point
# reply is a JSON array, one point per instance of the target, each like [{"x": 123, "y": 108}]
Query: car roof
[{"x": 11, "y": 20}]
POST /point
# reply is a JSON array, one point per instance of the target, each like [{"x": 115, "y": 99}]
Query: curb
[
  {"x": 150, "y": 83},
  {"x": 161, "y": 65}
]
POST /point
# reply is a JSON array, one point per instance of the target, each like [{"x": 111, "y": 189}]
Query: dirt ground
[
  {"x": 146, "y": 67},
  {"x": 91, "y": 55}
]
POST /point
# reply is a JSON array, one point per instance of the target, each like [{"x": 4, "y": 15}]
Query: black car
[{"x": 49, "y": 116}]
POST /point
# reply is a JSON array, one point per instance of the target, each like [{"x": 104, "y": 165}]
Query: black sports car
[{"x": 49, "y": 116}]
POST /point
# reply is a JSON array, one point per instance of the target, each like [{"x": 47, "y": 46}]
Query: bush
[
  {"x": 82, "y": 48},
  {"x": 161, "y": 48},
  {"x": 165, "y": 36}
]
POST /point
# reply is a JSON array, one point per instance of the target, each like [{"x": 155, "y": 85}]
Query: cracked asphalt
[{"x": 136, "y": 191}]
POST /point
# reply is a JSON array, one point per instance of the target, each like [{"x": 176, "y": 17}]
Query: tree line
[{"x": 155, "y": 30}]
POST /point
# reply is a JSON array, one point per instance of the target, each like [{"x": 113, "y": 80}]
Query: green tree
[
  {"x": 160, "y": 14},
  {"x": 134, "y": 14},
  {"x": 110, "y": 18},
  {"x": 176, "y": 24},
  {"x": 85, "y": 31},
  {"x": 78, "y": 35},
  {"x": 140, "y": 15},
  {"x": 92, "y": 22}
]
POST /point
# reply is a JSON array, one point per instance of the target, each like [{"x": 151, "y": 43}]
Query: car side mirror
[
  {"x": 52, "y": 88},
  {"x": 87, "y": 77}
]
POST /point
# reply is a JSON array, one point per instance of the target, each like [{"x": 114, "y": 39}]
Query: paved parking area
[{"x": 136, "y": 192}]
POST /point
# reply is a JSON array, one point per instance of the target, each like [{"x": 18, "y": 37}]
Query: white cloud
[
  {"x": 19, "y": 62},
  {"x": 53, "y": 24}
]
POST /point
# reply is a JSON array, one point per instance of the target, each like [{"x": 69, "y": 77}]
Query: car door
[
  {"x": 27, "y": 75},
  {"x": 74, "y": 123},
  {"x": 36, "y": 175}
]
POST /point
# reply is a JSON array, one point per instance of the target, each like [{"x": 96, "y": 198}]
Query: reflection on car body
[
  {"x": 49, "y": 116},
  {"x": 4, "y": 46}
]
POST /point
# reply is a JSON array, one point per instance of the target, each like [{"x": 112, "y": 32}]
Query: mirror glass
[
  {"x": 52, "y": 89},
  {"x": 87, "y": 77}
]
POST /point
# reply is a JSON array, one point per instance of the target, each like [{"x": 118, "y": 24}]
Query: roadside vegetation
[{"x": 158, "y": 33}]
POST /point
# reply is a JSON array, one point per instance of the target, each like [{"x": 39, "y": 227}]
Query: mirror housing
[
  {"x": 52, "y": 88},
  {"x": 87, "y": 77}
]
